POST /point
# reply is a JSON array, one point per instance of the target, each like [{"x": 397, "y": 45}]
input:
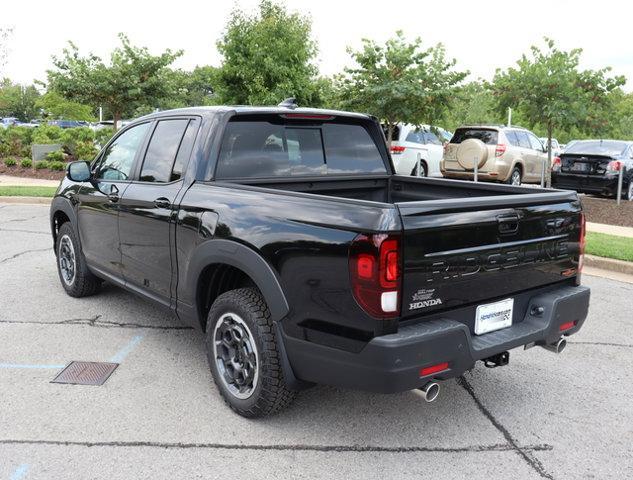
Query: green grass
[
  {"x": 610, "y": 246},
  {"x": 10, "y": 191}
]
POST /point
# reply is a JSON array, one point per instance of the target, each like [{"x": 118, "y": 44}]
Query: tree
[
  {"x": 132, "y": 78},
  {"x": 18, "y": 100},
  {"x": 399, "y": 82},
  {"x": 268, "y": 57},
  {"x": 549, "y": 89},
  {"x": 472, "y": 104},
  {"x": 56, "y": 106}
]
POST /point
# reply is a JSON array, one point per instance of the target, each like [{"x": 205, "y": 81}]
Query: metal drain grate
[{"x": 86, "y": 373}]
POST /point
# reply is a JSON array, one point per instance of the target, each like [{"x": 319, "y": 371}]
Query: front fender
[
  {"x": 246, "y": 259},
  {"x": 62, "y": 204}
]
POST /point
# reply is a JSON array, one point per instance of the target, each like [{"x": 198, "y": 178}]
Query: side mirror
[{"x": 78, "y": 171}]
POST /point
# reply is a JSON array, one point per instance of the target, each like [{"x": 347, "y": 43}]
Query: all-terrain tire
[
  {"x": 269, "y": 393},
  {"x": 83, "y": 282}
]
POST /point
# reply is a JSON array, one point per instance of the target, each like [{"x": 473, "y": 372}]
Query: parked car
[
  {"x": 511, "y": 155},
  {"x": 285, "y": 235},
  {"x": 556, "y": 147},
  {"x": 593, "y": 166},
  {"x": 68, "y": 123},
  {"x": 416, "y": 150},
  {"x": 8, "y": 122}
]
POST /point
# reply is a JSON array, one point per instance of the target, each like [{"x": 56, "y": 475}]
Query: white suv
[{"x": 417, "y": 150}]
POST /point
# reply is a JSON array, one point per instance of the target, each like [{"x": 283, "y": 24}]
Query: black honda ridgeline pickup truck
[{"x": 284, "y": 234}]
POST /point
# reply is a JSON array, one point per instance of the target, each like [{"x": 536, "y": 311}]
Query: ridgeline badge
[{"x": 423, "y": 298}]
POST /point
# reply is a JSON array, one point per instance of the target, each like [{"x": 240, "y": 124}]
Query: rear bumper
[
  {"x": 470, "y": 175},
  {"x": 607, "y": 185},
  {"x": 392, "y": 363}
]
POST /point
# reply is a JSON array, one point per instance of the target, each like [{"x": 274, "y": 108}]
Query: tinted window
[
  {"x": 432, "y": 138},
  {"x": 598, "y": 147},
  {"x": 489, "y": 137},
  {"x": 524, "y": 141},
  {"x": 117, "y": 161},
  {"x": 415, "y": 136},
  {"x": 535, "y": 143},
  {"x": 184, "y": 152},
  {"x": 512, "y": 137},
  {"x": 395, "y": 133},
  {"x": 264, "y": 149},
  {"x": 162, "y": 149}
]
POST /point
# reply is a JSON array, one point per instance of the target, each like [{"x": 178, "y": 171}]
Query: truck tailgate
[{"x": 478, "y": 251}]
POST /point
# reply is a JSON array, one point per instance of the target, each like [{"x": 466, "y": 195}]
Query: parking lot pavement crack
[
  {"x": 280, "y": 447},
  {"x": 24, "y": 231},
  {"x": 604, "y": 344},
  {"x": 96, "y": 321},
  {"x": 19, "y": 254},
  {"x": 523, "y": 452}
]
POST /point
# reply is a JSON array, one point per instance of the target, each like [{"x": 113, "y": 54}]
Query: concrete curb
[
  {"x": 601, "y": 263},
  {"x": 26, "y": 200}
]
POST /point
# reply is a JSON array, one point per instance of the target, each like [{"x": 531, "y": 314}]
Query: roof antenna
[{"x": 290, "y": 103}]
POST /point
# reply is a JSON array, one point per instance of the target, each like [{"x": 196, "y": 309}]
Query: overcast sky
[{"x": 482, "y": 35}]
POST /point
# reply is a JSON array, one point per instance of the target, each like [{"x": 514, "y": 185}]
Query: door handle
[
  {"x": 162, "y": 202},
  {"x": 113, "y": 196}
]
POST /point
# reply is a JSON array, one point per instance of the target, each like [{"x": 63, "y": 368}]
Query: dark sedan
[{"x": 593, "y": 166}]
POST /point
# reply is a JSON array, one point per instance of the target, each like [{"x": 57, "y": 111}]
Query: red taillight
[
  {"x": 614, "y": 166},
  {"x": 556, "y": 163},
  {"x": 374, "y": 263},
  {"x": 500, "y": 150},
  {"x": 397, "y": 149},
  {"x": 433, "y": 369},
  {"x": 566, "y": 326}
]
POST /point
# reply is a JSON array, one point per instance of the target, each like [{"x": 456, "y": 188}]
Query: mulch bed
[
  {"x": 18, "y": 171},
  {"x": 606, "y": 210}
]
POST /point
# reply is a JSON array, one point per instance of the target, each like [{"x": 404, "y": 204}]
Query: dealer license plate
[{"x": 493, "y": 316}]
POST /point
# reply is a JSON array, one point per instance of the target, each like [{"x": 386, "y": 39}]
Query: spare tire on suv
[{"x": 472, "y": 150}]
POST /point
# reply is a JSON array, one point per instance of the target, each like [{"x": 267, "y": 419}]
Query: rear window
[
  {"x": 610, "y": 148},
  {"x": 266, "y": 149},
  {"x": 489, "y": 137}
]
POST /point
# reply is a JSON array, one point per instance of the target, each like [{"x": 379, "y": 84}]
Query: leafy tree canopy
[
  {"x": 18, "y": 100},
  {"x": 548, "y": 88},
  {"x": 54, "y": 106},
  {"x": 400, "y": 81},
  {"x": 133, "y": 77},
  {"x": 268, "y": 57}
]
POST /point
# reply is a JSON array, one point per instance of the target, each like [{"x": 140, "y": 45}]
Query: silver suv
[{"x": 503, "y": 154}]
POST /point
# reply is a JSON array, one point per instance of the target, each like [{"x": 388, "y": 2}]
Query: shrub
[
  {"x": 56, "y": 156},
  {"x": 73, "y": 137},
  {"x": 47, "y": 134},
  {"x": 85, "y": 151},
  {"x": 9, "y": 162},
  {"x": 17, "y": 141},
  {"x": 26, "y": 163},
  {"x": 103, "y": 135},
  {"x": 59, "y": 166},
  {"x": 41, "y": 165}
]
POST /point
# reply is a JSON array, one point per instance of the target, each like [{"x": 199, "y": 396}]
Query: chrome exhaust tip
[
  {"x": 557, "y": 347},
  {"x": 430, "y": 391}
]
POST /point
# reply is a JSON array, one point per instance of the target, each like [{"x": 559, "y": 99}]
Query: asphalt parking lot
[{"x": 159, "y": 415}]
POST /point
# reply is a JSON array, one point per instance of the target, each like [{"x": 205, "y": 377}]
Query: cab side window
[
  {"x": 117, "y": 161},
  {"x": 162, "y": 149}
]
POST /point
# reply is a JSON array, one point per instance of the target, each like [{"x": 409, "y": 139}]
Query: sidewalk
[
  {"x": 10, "y": 181},
  {"x": 610, "y": 229}
]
